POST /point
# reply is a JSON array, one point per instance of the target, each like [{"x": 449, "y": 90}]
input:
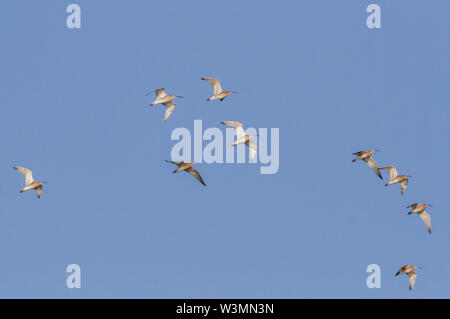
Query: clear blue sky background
[{"x": 74, "y": 111}]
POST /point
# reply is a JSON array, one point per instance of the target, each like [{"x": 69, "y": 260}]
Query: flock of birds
[
  {"x": 416, "y": 208},
  {"x": 167, "y": 100},
  {"x": 218, "y": 94},
  {"x": 242, "y": 138}
]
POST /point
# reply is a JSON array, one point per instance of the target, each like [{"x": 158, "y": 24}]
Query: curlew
[
  {"x": 242, "y": 138},
  {"x": 30, "y": 183},
  {"x": 419, "y": 209},
  {"x": 162, "y": 97},
  {"x": 218, "y": 93},
  {"x": 394, "y": 178},
  {"x": 187, "y": 167},
  {"x": 409, "y": 270},
  {"x": 366, "y": 156}
]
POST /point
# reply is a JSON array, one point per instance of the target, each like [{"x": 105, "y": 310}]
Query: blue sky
[{"x": 74, "y": 111}]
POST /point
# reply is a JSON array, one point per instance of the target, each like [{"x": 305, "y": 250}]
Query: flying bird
[
  {"x": 162, "y": 97},
  {"x": 394, "y": 178},
  {"x": 409, "y": 270},
  {"x": 242, "y": 138},
  {"x": 30, "y": 183},
  {"x": 187, "y": 167},
  {"x": 366, "y": 156},
  {"x": 419, "y": 209},
  {"x": 218, "y": 93}
]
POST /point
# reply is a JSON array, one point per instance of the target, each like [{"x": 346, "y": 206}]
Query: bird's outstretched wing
[
  {"x": 373, "y": 165},
  {"x": 233, "y": 124},
  {"x": 160, "y": 93},
  {"x": 253, "y": 148},
  {"x": 426, "y": 220},
  {"x": 412, "y": 279},
  {"x": 38, "y": 191},
  {"x": 238, "y": 128},
  {"x": 178, "y": 163},
  {"x": 217, "y": 88},
  {"x": 28, "y": 174},
  {"x": 358, "y": 156},
  {"x": 392, "y": 171},
  {"x": 402, "y": 268},
  {"x": 404, "y": 184},
  {"x": 170, "y": 106},
  {"x": 196, "y": 174}
]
